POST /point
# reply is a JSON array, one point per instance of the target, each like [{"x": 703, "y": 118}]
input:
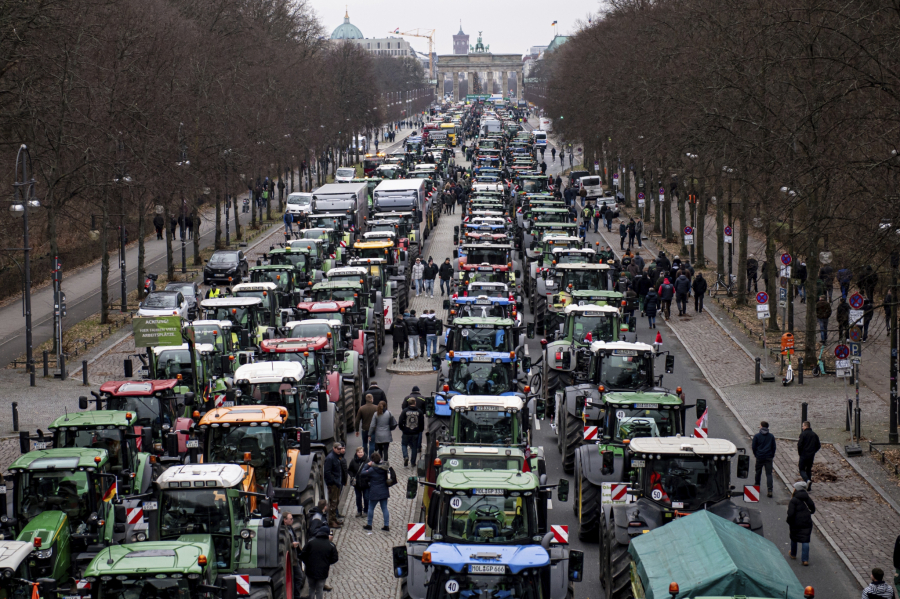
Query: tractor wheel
[
  {"x": 561, "y": 417},
  {"x": 540, "y": 312},
  {"x": 340, "y": 429},
  {"x": 379, "y": 326},
  {"x": 358, "y": 387},
  {"x": 260, "y": 593},
  {"x": 618, "y": 565},
  {"x": 588, "y": 503},
  {"x": 371, "y": 355},
  {"x": 404, "y": 589},
  {"x": 574, "y": 438},
  {"x": 402, "y": 295},
  {"x": 283, "y": 579},
  {"x": 309, "y": 498},
  {"x": 348, "y": 400},
  {"x": 412, "y": 255}
]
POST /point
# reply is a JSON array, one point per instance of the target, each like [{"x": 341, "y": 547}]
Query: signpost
[
  {"x": 786, "y": 259},
  {"x": 728, "y": 234},
  {"x": 688, "y": 235},
  {"x": 841, "y": 352},
  {"x": 641, "y": 199},
  {"x": 856, "y": 301},
  {"x": 662, "y": 194},
  {"x": 616, "y": 179}
]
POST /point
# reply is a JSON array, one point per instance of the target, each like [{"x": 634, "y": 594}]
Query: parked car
[
  {"x": 226, "y": 266},
  {"x": 191, "y": 292},
  {"x": 164, "y": 303},
  {"x": 299, "y": 203},
  {"x": 344, "y": 175},
  {"x": 593, "y": 186}
]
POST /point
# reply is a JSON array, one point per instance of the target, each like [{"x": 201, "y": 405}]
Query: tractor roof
[
  {"x": 514, "y": 557},
  {"x": 293, "y": 345},
  {"x": 232, "y": 302},
  {"x": 224, "y": 324},
  {"x": 376, "y": 244},
  {"x": 367, "y": 261},
  {"x": 318, "y": 307},
  {"x": 684, "y": 446},
  {"x": 13, "y": 553},
  {"x": 68, "y": 458},
  {"x": 94, "y": 419},
  {"x": 199, "y": 347},
  {"x": 479, "y": 322},
  {"x": 554, "y": 238},
  {"x": 154, "y": 557},
  {"x": 506, "y": 480},
  {"x": 347, "y": 270},
  {"x": 648, "y": 399},
  {"x": 379, "y": 236},
  {"x": 597, "y": 294},
  {"x": 502, "y": 402},
  {"x": 484, "y": 300},
  {"x": 487, "y": 246},
  {"x": 619, "y": 345},
  {"x": 591, "y": 310},
  {"x": 223, "y": 476},
  {"x": 564, "y": 251},
  {"x": 266, "y": 286},
  {"x": 475, "y": 450},
  {"x": 330, "y": 322},
  {"x": 582, "y": 266},
  {"x": 337, "y": 285},
  {"x": 137, "y": 388},
  {"x": 269, "y": 372},
  {"x": 240, "y": 415}
]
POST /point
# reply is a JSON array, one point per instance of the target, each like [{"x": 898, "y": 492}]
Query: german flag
[
  {"x": 111, "y": 492},
  {"x": 552, "y": 24}
]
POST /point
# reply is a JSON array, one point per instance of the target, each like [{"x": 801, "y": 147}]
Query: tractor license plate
[
  {"x": 145, "y": 372},
  {"x": 149, "y": 506},
  {"x": 647, "y": 406},
  {"x": 638, "y": 463},
  {"x": 43, "y": 444},
  {"x": 487, "y": 408},
  {"x": 482, "y": 302},
  {"x": 486, "y": 569},
  {"x": 488, "y": 492},
  {"x": 484, "y": 326},
  {"x": 678, "y": 505},
  {"x": 227, "y": 404},
  {"x": 624, "y": 352},
  {"x": 192, "y": 444},
  {"x": 485, "y": 268},
  {"x": 71, "y": 597},
  {"x": 481, "y": 359}
]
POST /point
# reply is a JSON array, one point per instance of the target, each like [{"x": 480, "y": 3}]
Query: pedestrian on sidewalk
[
  {"x": 412, "y": 423},
  {"x": 799, "y": 519},
  {"x": 412, "y": 330},
  {"x": 878, "y": 589},
  {"x": 363, "y": 421},
  {"x": 631, "y": 233},
  {"x": 597, "y": 215},
  {"x": 429, "y": 274},
  {"x": 446, "y": 274},
  {"x": 752, "y": 266},
  {"x": 288, "y": 223},
  {"x": 845, "y": 277},
  {"x": 682, "y": 291},
  {"x": 418, "y": 272},
  {"x": 868, "y": 312},
  {"x": 158, "y": 223},
  {"x": 888, "y": 302},
  {"x": 800, "y": 289},
  {"x": 552, "y": 154},
  {"x": 189, "y": 225},
  {"x": 377, "y": 392},
  {"x": 297, "y": 570},
  {"x": 377, "y": 473},
  {"x": 318, "y": 556},
  {"x": 823, "y": 313},
  {"x": 666, "y": 293},
  {"x": 826, "y": 274},
  {"x": 699, "y": 286},
  {"x": 623, "y": 232},
  {"x": 808, "y": 446},
  {"x": 359, "y": 489},
  {"x": 651, "y": 305},
  {"x": 843, "y": 319},
  {"x": 433, "y": 328},
  {"x": 422, "y": 329},
  {"x": 333, "y": 477},
  {"x": 582, "y": 193},
  {"x": 868, "y": 281},
  {"x": 383, "y": 422},
  {"x": 763, "y": 448},
  {"x": 401, "y": 338}
]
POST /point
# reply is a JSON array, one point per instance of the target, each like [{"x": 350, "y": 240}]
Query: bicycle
[{"x": 723, "y": 285}]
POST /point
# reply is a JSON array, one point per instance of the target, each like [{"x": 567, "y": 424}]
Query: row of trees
[
  {"x": 129, "y": 106},
  {"x": 787, "y": 114}
]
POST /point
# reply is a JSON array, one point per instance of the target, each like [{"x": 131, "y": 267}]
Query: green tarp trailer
[{"x": 709, "y": 556}]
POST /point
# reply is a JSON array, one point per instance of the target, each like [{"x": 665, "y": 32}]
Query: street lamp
[
  {"x": 789, "y": 297},
  {"x": 182, "y": 161},
  {"x": 692, "y": 200},
  {"x": 25, "y": 203}
]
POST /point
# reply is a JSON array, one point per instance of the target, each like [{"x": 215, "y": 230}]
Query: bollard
[
  {"x": 129, "y": 369},
  {"x": 757, "y": 370},
  {"x": 84, "y": 375},
  {"x": 800, "y": 374},
  {"x": 858, "y": 424},
  {"x": 15, "y": 409},
  {"x": 804, "y": 412},
  {"x": 46, "y": 363},
  {"x": 849, "y": 411},
  {"x": 62, "y": 366}
]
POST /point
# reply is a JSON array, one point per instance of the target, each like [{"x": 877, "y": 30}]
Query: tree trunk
[
  {"x": 195, "y": 218},
  {"x": 237, "y": 219},
  {"x": 141, "y": 250},
  {"x": 812, "y": 268},
  {"x": 170, "y": 235},
  {"x": 253, "y": 209},
  {"x": 682, "y": 218},
  {"x": 742, "y": 252},
  {"x": 702, "y": 203},
  {"x": 104, "y": 262},
  {"x": 770, "y": 262},
  {"x": 720, "y": 226}
]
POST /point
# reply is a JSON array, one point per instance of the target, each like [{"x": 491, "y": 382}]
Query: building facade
[
  {"x": 384, "y": 46},
  {"x": 461, "y": 42}
]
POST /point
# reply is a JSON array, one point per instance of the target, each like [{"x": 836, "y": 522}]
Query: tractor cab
[
  {"x": 217, "y": 333},
  {"x": 481, "y": 307},
  {"x": 484, "y": 254},
  {"x": 242, "y": 312},
  {"x": 354, "y": 274},
  {"x": 385, "y": 248},
  {"x": 339, "y": 292},
  {"x": 109, "y": 430},
  {"x": 270, "y": 313},
  {"x": 478, "y": 334},
  {"x": 477, "y": 373},
  {"x": 487, "y": 289},
  {"x": 174, "y": 362},
  {"x": 488, "y": 420},
  {"x": 153, "y": 404},
  {"x": 302, "y": 263},
  {"x": 286, "y": 278}
]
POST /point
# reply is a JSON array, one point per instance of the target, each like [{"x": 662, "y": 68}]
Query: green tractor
[
  {"x": 566, "y": 284},
  {"x": 276, "y": 308},
  {"x": 244, "y": 314},
  {"x": 363, "y": 314},
  {"x": 394, "y": 288}
]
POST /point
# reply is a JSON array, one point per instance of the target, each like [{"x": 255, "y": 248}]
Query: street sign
[
  {"x": 782, "y": 304},
  {"x": 688, "y": 230},
  {"x": 782, "y": 293},
  {"x": 662, "y": 194},
  {"x": 727, "y": 239},
  {"x": 855, "y": 348},
  {"x": 785, "y": 259},
  {"x": 641, "y": 200},
  {"x": 728, "y": 230},
  {"x": 842, "y": 363},
  {"x": 784, "y": 271},
  {"x": 856, "y": 301},
  {"x": 155, "y": 331},
  {"x": 856, "y": 317},
  {"x": 596, "y": 167},
  {"x": 762, "y": 297},
  {"x": 688, "y": 240},
  {"x": 841, "y": 352},
  {"x": 761, "y": 315},
  {"x": 762, "y": 307},
  {"x": 855, "y": 333},
  {"x": 855, "y": 360},
  {"x": 641, "y": 195}
]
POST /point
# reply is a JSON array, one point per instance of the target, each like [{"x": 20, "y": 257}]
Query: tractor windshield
[
  {"x": 341, "y": 295},
  {"x": 488, "y": 518},
  {"x": 572, "y": 258},
  {"x": 383, "y": 227},
  {"x": 265, "y": 394},
  {"x": 315, "y": 329},
  {"x": 629, "y": 422},
  {"x": 294, "y": 259},
  {"x": 150, "y": 411},
  {"x": 129, "y": 587},
  {"x": 197, "y": 511},
  {"x": 232, "y": 446},
  {"x": 486, "y": 339},
  {"x": 689, "y": 480},
  {"x": 239, "y": 316},
  {"x": 533, "y": 186},
  {"x": 584, "y": 279},
  {"x": 60, "y": 489},
  {"x": 486, "y": 256},
  {"x": 599, "y": 327},
  {"x": 282, "y": 278},
  {"x": 550, "y": 217},
  {"x": 626, "y": 372},
  {"x": 481, "y": 378},
  {"x": 476, "y": 289},
  {"x": 211, "y": 334},
  {"x": 109, "y": 439},
  {"x": 485, "y": 310},
  {"x": 483, "y": 276},
  {"x": 174, "y": 363},
  {"x": 484, "y": 425}
]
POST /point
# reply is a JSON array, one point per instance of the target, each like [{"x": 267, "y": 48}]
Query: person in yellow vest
[{"x": 213, "y": 291}]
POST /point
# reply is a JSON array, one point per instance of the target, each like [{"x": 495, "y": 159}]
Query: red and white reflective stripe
[
  {"x": 83, "y": 584},
  {"x": 560, "y": 533},
  {"x": 701, "y": 433},
  {"x": 751, "y": 493},
  {"x": 590, "y": 433},
  {"x": 415, "y": 531},
  {"x": 618, "y": 492},
  {"x": 243, "y": 584},
  {"x": 343, "y": 244},
  {"x": 133, "y": 515},
  {"x": 219, "y": 400}
]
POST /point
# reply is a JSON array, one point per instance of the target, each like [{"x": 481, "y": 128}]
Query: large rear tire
[
  {"x": 348, "y": 400},
  {"x": 588, "y": 503},
  {"x": 371, "y": 355},
  {"x": 540, "y": 312},
  {"x": 573, "y": 433},
  {"x": 309, "y": 498},
  {"x": 282, "y": 579},
  {"x": 340, "y": 428},
  {"x": 618, "y": 565}
]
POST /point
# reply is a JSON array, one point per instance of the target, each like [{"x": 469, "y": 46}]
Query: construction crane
[{"x": 427, "y": 34}]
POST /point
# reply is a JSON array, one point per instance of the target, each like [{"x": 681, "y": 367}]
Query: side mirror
[
  {"x": 429, "y": 406},
  {"x": 189, "y": 399},
  {"x": 701, "y": 407},
  {"x": 304, "y": 438},
  {"x": 376, "y": 284},
  {"x": 455, "y": 254},
  {"x": 567, "y": 360},
  {"x": 670, "y": 363},
  {"x": 456, "y": 231},
  {"x": 526, "y": 363},
  {"x": 562, "y": 491},
  {"x": 229, "y": 589},
  {"x": 435, "y": 361},
  {"x": 412, "y": 487},
  {"x": 265, "y": 508},
  {"x": 743, "y": 466},
  {"x": 259, "y": 261},
  {"x": 446, "y": 304},
  {"x": 608, "y": 462},
  {"x": 401, "y": 561},
  {"x": 82, "y": 403},
  {"x": 529, "y": 330},
  {"x": 229, "y": 396},
  {"x": 146, "y": 439},
  {"x": 322, "y": 401},
  {"x": 576, "y": 565},
  {"x": 580, "y": 400}
]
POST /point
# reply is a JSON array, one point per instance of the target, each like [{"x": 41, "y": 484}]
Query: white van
[
  {"x": 344, "y": 174},
  {"x": 299, "y": 203},
  {"x": 546, "y": 124},
  {"x": 592, "y": 185},
  {"x": 540, "y": 137}
]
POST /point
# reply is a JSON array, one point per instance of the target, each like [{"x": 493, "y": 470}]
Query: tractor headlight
[
  {"x": 141, "y": 536},
  {"x": 45, "y": 554}
]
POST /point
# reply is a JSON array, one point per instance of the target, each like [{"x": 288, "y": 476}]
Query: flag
[
  {"x": 552, "y": 24},
  {"x": 110, "y": 493},
  {"x": 397, "y": 30},
  {"x": 702, "y": 427}
]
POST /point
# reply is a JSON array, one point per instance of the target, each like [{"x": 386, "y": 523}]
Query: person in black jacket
[
  {"x": 401, "y": 337},
  {"x": 446, "y": 274},
  {"x": 699, "y": 286},
  {"x": 682, "y": 290},
  {"x": 763, "y": 448},
  {"x": 412, "y": 423},
  {"x": 158, "y": 223},
  {"x": 800, "y": 289},
  {"x": 334, "y": 475},
  {"x": 422, "y": 331},
  {"x": 297, "y": 570},
  {"x": 362, "y": 493},
  {"x": 318, "y": 555},
  {"x": 428, "y": 275},
  {"x": 807, "y": 446},
  {"x": 378, "y": 394},
  {"x": 752, "y": 266},
  {"x": 799, "y": 519},
  {"x": 412, "y": 329},
  {"x": 433, "y": 328}
]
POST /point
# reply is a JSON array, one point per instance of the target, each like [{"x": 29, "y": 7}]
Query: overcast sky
[{"x": 508, "y": 27}]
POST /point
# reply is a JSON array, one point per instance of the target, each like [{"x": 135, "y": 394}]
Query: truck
[
  {"x": 348, "y": 198},
  {"x": 407, "y": 195}
]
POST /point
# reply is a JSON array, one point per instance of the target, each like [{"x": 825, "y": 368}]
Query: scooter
[
  {"x": 819, "y": 368},
  {"x": 789, "y": 374},
  {"x": 150, "y": 283}
]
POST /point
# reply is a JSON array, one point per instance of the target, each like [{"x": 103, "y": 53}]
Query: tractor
[{"x": 559, "y": 286}]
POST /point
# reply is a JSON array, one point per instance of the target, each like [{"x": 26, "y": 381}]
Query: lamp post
[
  {"x": 23, "y": 204},
  {"x": 728, "y": 170},
  {"x": 789, "y": 298},
  {"x": 692, "y": 200},
  {"x": 182, "y": 161}
]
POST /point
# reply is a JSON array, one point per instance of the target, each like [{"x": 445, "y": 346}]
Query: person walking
[
  {"x": 868, "y": 312},
  {"x": 363, "y": 421},
  {"x": 801, "y": 274},
  {"x": 651, "y": 305},
  {"x": 843, "y": 319},
  {"x": 552, "y": 154},
  {"x": 639, "y": 232},
  {"x": 378, "y": 394},
  {"x": 412, "y": 331},
  {"x": 623, "y": 232},
  {"x": 418, "y": 273},
  {"x": 158, "y": 223},
  {"x": 412, "y": 423},
  {"x": 823, "y": 313},
  {"x": 666, "y": 293},
  {"x": 582, "y": 193},
  {"x": 288, "y": 223},
  {"x": 826, "y": 274},
  {"x": 377, "y": 474},
  {"x": 422, "y": 329},
  {"x": 429, "y": 274},
  {"x": 752, "y": 266},
  {"x": 799, "y": 519},
  {"x": 359, "y": 461},
  {"x": 845, "y": 277},
  {"x": 297, "y": 570},
  {"x": 189, "y": 225},
  {"x": 878, "y": 588},
  {"x": 807, "y": 446},
  {"x": 682, "y": 291},
  {"x": 631, "y": 233},
  {"x": 433, "y": 328},
  {"x": 383, "y": 422},
  {"x": 318, "y": 555},
  {"x": 699, "y": 286},
  {"x": 401, "y": 337},
  {"x": 446, "y": 274},
  {"x": 763, "y": 447},
  {"x": 333, "y": 479}
]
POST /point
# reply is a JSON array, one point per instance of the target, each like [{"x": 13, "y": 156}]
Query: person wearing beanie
[
  {"x": 799, "y": 519},
  {"x": 764, "y": 451},
  {"x": 318, "y": 555}
]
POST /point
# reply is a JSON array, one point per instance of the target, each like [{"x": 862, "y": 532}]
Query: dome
[{"x": 346, "y": 30}]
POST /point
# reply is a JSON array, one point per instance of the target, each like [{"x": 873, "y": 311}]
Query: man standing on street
[
  {"x": 412, "y": 329},
  {"x": 428, "y": 275},
  {"x": 807, "y": 446},
  {"x": 699, "y": 286},
  {"x": 334, "y": 474},
  {"x": 623, "y": 232},
  {"x": 158, "y": 223},
  {"x": 378, "y": 394},
  {"x": 764, "y": 451},
  {"x": 823, "y": 313},
  {"x": 446, "y": 274},
  {"x": 401, "y": 337},
  {"x": 682, "y": 291},
  {"x": 318, "y": 556},
  {"x": 412, "y": 423},
  {"x": 752, "y": 266},
  {"x": 299, "y": 577}
]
